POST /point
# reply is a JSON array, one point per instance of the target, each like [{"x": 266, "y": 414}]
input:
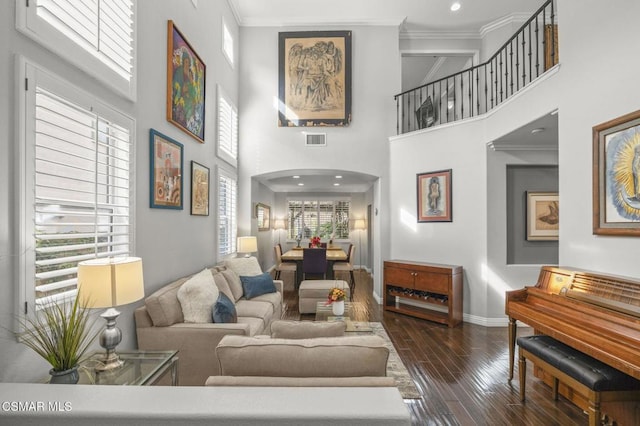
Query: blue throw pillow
[
  {"x": 257, "y": 285},
  {"x": 224, "y": 310}
]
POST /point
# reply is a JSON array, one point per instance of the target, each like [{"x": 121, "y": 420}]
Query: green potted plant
[{"x": 60, "y": 333}]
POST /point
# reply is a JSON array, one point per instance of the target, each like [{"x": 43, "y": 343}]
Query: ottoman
[{"x": 313, "y": 291}]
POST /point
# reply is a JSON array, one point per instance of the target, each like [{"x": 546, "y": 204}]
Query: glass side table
[
  {"x": 325, "y": 313},
  {"x": 140, "y": 368}
]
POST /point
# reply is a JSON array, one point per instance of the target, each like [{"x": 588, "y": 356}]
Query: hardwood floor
[{"x": 461, "y": 372}]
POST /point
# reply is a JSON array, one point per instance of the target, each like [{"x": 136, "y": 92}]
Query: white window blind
[
  {"x": 227, "y": 216},
  {"x": 91, "y": 34},
  {"x": 227, "y": 129},
  {"x": 77, "y": 186},
  {"x": 326, "y": 219}
]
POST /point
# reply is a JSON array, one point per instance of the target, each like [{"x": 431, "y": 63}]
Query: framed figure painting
[
  {"x": 199, "y": 189},
  {"x": 314, "y": 76},
  {"x": 543, "y": 216},
  {"x": 434, "y": 196},
  {"x": 616, "y": 176},
  {"x": 166, "y": 175},
  {"x": 186, "y": 75}
]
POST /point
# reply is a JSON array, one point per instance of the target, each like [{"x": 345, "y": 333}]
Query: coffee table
[{"x": 325, "y": 313}]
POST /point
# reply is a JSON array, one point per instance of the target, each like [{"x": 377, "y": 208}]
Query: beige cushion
[
  {"x": 163, "y": 305},
  {"x": 223, "y": 285},
  {"x": 283, "y": 329},
  {"x": 274, "y": 298},
  {"x": 244, "y": 266},
  {"x": 234, "y": 284},
  {"x": 355, "y": 356},
  {"x": 197, "y": 296}
]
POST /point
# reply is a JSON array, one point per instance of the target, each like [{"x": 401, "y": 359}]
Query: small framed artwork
[
  {"x": 199, "y": 189},
  {"x": 186, "y": 75},
  {"x": 166, "y": 175},
  {"x": 263, "y": 213},
  {"x": 314, "y": 76},
  {"x": 543, "y": 216},
  {"x": 434, "y": 196},
  {"x": 616, "y": 176}
]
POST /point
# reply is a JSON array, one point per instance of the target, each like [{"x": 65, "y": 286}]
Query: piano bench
[{"x": 597, "y": 381}]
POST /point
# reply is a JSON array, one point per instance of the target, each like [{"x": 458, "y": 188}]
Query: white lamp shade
[
  {"x": 359, "y": 224},
  {"x": 109, "y": 282},
  {"x": 247, "y": 244},
  {"x": 279, "y": 224}
]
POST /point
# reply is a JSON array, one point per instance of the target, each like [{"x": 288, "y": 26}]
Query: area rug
[{"x": 395, "y": 366}]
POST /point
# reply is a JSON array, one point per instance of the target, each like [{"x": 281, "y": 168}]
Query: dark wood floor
[{"x": 461, "y": 372}]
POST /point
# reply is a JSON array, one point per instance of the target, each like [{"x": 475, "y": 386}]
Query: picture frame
[
  {"x": 314, "y": 78},
  {"x": 434, "y": 196},
  {"x": 186, "y": 84},
  {"x": 263, "y": 214},
  {"x": 166, "y": 171},
  {"x": 616, "y": 176},
  {"x": 542, "y": 211},
  {"x": 199, "y": 189}
]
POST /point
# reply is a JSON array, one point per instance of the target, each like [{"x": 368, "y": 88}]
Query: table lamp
[
  {"x": 247, "y": 245},
  {"x": 107, "y": 283}
]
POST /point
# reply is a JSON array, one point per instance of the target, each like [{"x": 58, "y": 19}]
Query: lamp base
[{"x": 110, "y": 337}]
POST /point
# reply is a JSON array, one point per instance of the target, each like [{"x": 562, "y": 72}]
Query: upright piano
[{"x": 595, "y": 313}]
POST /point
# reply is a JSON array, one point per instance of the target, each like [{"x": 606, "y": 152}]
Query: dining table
[{"x": 335, "y": 253}]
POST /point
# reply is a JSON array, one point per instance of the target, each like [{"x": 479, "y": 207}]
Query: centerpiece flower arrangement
[
  {"x": 315, "y": 241},
  {"x": 336, "y": 300}
]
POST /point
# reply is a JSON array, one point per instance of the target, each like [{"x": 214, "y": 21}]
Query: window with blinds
[
  {"x": 77, "y": 168},
  {"x": 327, "y": 219},
  {"x": 87, "y": 33},
  {"x": 227, "y": 129},
  {"x": 227, "y": 43},
  {"x": 227, "y": 216}
]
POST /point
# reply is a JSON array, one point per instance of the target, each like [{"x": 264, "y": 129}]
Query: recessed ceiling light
[
  {"x": 296, "y": 177},
  {"x": 336, "y": 184},
  {"x": 338, "y": 177},
  {"x": 455, "y": 6},
  {"x": 537, "y": 130},
  {"x": 301, "y": 184}
]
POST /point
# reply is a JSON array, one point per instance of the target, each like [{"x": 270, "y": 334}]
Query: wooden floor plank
[{"x": 461, "y": 372}]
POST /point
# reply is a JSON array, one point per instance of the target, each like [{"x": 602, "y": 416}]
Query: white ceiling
[{"x": 415, "y": 18}]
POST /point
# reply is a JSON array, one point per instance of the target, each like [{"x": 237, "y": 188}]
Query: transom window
[
  {"x": 227, "y": 129},
  {"x": 326, "y": 219}
]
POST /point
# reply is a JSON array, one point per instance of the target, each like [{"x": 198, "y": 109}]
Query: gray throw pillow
[
  {"x": 224, "y": 311},
  {"x": 257, "y": 285}
]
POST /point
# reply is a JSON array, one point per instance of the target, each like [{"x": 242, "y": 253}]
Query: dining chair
[
  {"x": 280, "y": 265},
  {"x": 347, "y": 266},
  {"x": 314, "y": 262}
]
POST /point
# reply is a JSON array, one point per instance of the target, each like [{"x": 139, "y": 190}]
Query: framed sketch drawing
[
  {"x": 186, "y": 75},
  {"x": 616, "y": 176},
  {"x": 314, "y": 76},
  {"x": 263, "y": 213},
  {"x": 199, "y": 189},
  {"x": 166, "y": 175},
  {"x": 542, "y": 216},
  {"x": 434, "y": 196}
]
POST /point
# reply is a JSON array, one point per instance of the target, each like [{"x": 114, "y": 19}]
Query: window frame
[
  {"x": 231, "y": 227},
  {"x": 222, "y": 152},
  {"x": 318, "y": 211},
  {"x": 29, "y": 23},
  {"x": 33, "y": 75},
  {"x": 229, "y": 56}
]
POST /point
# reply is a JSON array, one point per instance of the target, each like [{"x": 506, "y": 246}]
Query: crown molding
[
  {"x": 513, "y": 18},
  {"x": 233, "y": 5},
  {"x": 439, "y": 35},
  {"x": 322, "y": 22}
]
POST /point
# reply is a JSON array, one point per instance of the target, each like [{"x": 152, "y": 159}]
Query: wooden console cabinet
[{"x": 438, "y": 288}]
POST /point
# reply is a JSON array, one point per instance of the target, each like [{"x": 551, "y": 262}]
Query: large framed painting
[
  {"x": 186, "y": 75},
  {"x": 616, "y": 176},
  {"x": 199, "y": 189},
  {"x": 434, "y": 196},
  {"x": 543, "y": 216},
  {"x": 166, "y": 175},
  {"x": 314, "y": 71}
]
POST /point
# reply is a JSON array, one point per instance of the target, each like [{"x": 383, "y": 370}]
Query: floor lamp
[
  {"x": 359, "y": 226},
  {"x": 278, "y": 225}
]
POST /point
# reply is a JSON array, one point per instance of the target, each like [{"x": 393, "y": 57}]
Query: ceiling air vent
[{"x": 315, "y": 139}]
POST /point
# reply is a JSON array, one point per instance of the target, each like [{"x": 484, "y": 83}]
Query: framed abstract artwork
[
  {"x": 186, "y": 75},
  {"x": 166, "y": 175},
  {"x": 543, "y": 216},
  {"x": 314, "y": 76},
  {"x": 199, "y": 189},
  {"x": 434, "y": 196},
  {"x": 263, "y": 213},
  {"x": 616, "y": 176}
]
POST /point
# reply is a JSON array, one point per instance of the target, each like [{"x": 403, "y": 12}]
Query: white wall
[
  {"x": 171, "y": 243},
  {"x": 599, "y": 82},
  {"x": 362, "y": 146}
]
